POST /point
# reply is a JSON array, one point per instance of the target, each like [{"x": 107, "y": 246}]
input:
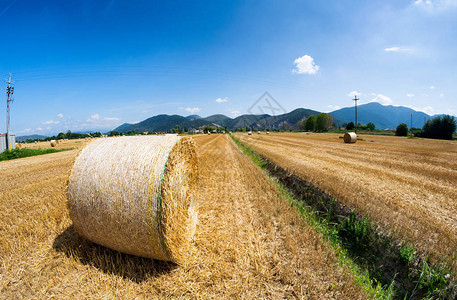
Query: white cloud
[
  {"x": 235, "y": 112},
  {"x": 334, "y": 107},
  {"x": 427, "y": 109},
  {"x": 97, "y": 119},
  {"x": 384, "y": 100},
  {"x": 409, "y": 95},
  {"x": 432, "y": 87},
  {"x": 48, "y": 128},
  {"x": 221, "y": 100},
  {"x": 193, "y": 110},
  {"x": 435, "y": 5},
  {"x": 51, "y": 122},
  {"x": 60, "y": 115},
  {"x": 111, "y": 119},
  {"x": 305, "y": 65},
  {"x": 354, "y": 93},
  {"x": 397, "y": 49},
  {"x": 422, "y": 2},
  {"x": 441, "y": 95},
  {"x": 39, "y": 129}
]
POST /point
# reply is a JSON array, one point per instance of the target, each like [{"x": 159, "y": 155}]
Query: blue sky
[{"x": 93, "y": 65}]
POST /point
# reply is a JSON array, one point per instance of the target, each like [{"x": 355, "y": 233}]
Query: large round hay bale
[
  {"x": 54, "y": 143},
  {"x": 350, "y": 137},
  {"x": 134, "y": 195}
]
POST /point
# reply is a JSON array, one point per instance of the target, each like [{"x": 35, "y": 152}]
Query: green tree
[
  {"x": 402, "y": 130},
  {"x": 186, "y": 129},
  {"x": 113, "y": 133},
  {"x": 310, "y": 123},
  {"x": 300, "y": 125},
  {"x": 371, "y": 126},
  {"x": 324, "y": 122},
  {"x": 440, "y": 128},
  {"x": 207, "y": 129},
  {"x": 350, "y": 126}
]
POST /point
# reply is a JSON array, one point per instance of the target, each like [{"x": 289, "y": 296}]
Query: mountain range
[
  {"x": 162, "y": 123},
  {"x": 29, "y": 137},
  {"x": 383, "y": 116}
]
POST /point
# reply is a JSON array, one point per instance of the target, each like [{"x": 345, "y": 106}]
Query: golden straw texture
[
  {"x": 126, "y": 194},
  {"x": 350, "y": 137}
]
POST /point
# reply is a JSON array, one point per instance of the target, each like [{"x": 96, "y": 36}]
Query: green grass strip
[{"x": 20, "y": 153}]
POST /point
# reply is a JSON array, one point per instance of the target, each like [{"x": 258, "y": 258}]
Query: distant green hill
[
  {"x": 23, "y": 138},
  {"x": 162, "y": 123},
  {"x": 380, "y": 115},
  {"x": 383, "y": 116}
]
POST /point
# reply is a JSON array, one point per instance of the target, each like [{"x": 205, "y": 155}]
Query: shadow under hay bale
[{"x": 134, "y": 268}]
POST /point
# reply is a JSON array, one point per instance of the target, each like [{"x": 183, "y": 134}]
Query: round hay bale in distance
[
  {"x": 350, "y": 137},
  {"x": 134, "y": 195},
  {"x": 54, "y": 143}
]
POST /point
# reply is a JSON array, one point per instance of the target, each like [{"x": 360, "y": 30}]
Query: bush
[
  {"x": 350, "y": 126},
  {"x": 370, "y": 126},
  {"x": 402, "y": 130}
]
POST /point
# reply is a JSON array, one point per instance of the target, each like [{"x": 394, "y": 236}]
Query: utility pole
[
  {"x": 9, "y": 99},
  {"x": 411, "y": 128},
  {"x": 355, "y": 100}
]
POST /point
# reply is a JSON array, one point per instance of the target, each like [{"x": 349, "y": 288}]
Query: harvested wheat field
[
  {"x": 64, "y": 144},
  {"x": 249, "y": 243},
  {"x": 404, "y": 185}
]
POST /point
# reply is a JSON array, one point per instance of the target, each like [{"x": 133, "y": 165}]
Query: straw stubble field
[
  {"x": 249, "y": 243},
  {"x": 407, "y": 186}
]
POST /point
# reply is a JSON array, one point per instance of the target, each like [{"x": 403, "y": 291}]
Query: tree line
[
  {"x": 441, "y": 127},
  {"x": 321, "y": 122}
]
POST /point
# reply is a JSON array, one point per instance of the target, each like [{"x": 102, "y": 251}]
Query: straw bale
[
  {"x": 134, "y": 194},
  {"x": 54, "y": 143},
  {"x": 350, "y": 137}
]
